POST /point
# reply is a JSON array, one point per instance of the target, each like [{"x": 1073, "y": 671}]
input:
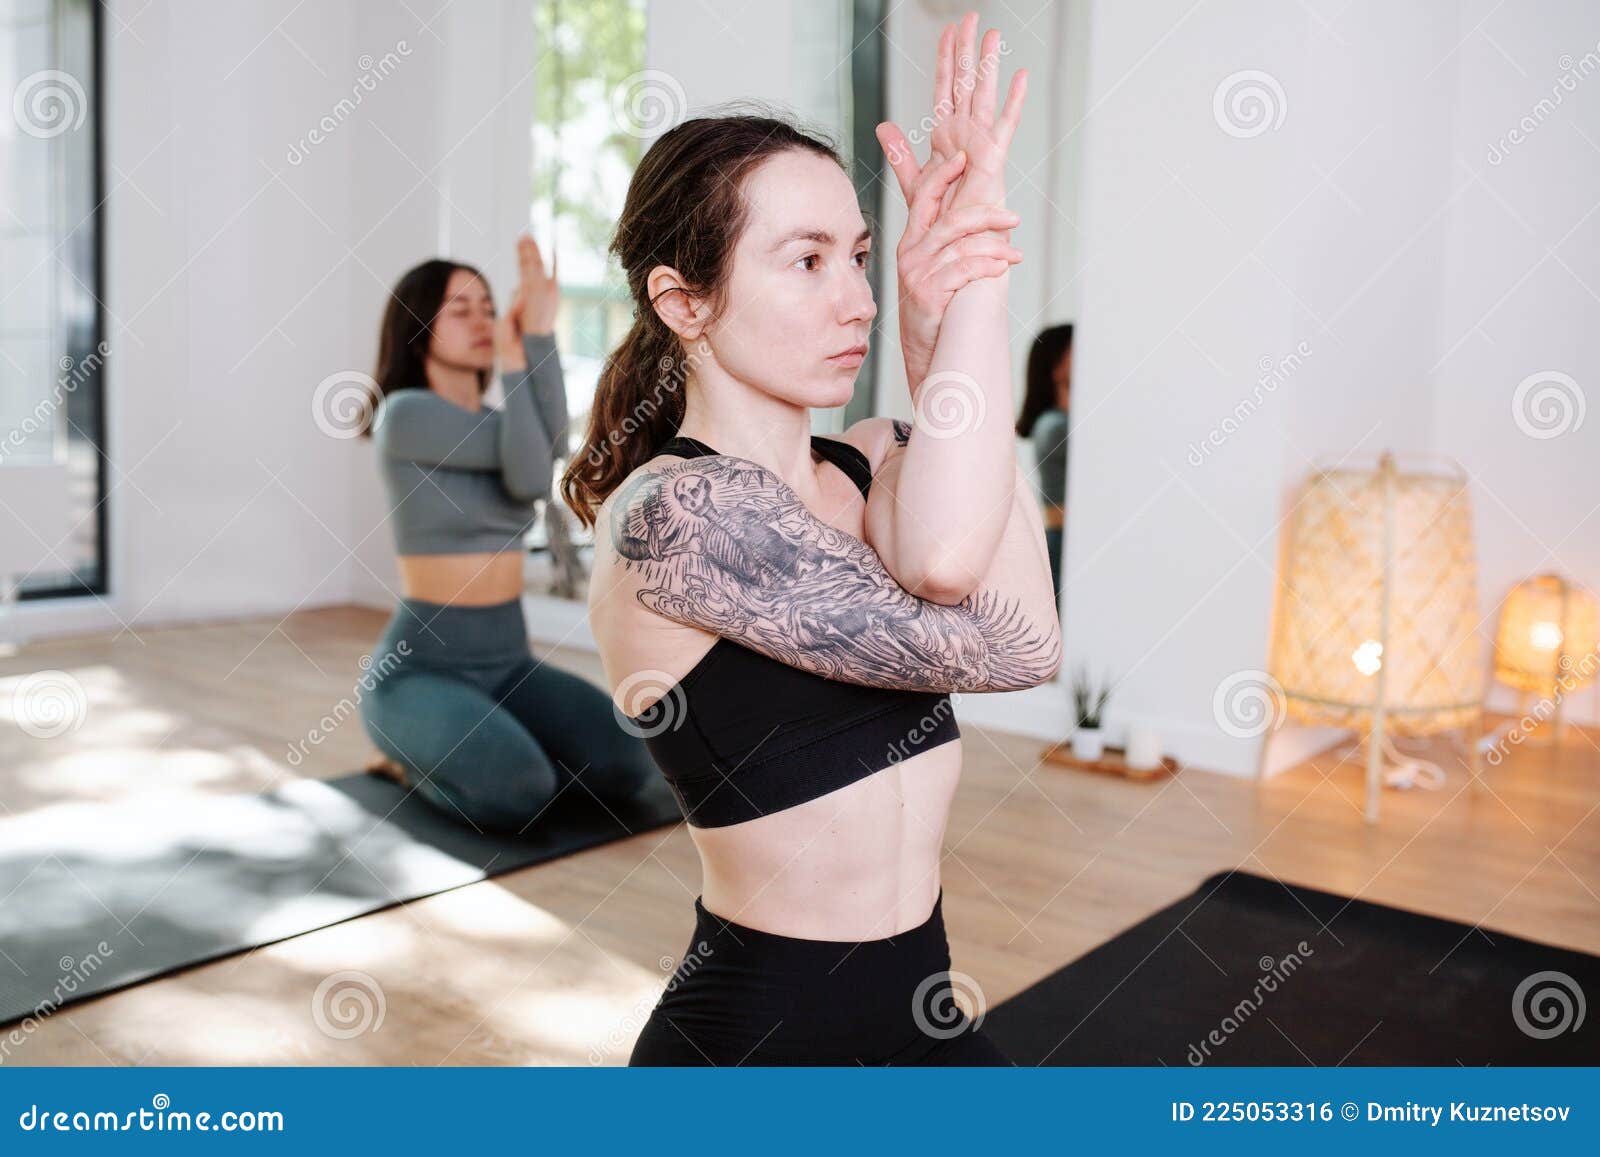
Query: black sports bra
[{"x": 743, "y": 735}]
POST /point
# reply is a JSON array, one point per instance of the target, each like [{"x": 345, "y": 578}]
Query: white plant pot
[{"x": 1088, "y": 743}]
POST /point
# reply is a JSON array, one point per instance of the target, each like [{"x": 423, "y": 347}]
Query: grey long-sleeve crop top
[
  {"x": 1049, "y": 437},
  {"x": 462, "y": 481}
]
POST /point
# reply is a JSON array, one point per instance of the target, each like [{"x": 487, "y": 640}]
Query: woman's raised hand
[
  {"x": 508, "y": 336},
  {"x": 941, "y": 251},
  {"x": 956, "y": 230},
  {"x": 965, "y": 87},
  {"x": 540, "y": 293}
]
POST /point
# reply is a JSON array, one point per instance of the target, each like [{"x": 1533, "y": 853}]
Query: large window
[
  {"x": 52, "y": 351},
  {"x": 583, "y": 160}
]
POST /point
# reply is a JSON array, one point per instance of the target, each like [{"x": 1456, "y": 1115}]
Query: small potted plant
[{"x": 1089, "y": 702}]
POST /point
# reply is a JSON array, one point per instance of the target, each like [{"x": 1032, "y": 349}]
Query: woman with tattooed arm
[{"x": 783, "y": 617}]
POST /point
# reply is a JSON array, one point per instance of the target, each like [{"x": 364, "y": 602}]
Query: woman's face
[
  {"x": 1063, "y": 379},
  {"x": 797, "y": 292},
  {"x": 463, "y": 331}
]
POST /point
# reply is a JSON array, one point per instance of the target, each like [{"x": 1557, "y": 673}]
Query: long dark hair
[
  {"x": 1048, "y": 348},
  {"x": 407, "y": 331},
  {"x": 685, "y": 208}
]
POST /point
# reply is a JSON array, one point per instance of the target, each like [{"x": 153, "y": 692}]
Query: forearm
[
  {"x": 946, "y": 509},
  {"x": 1020, "y": 569},
  {"x": 549, "y": 388},
  {"x": 527, "y": 456}
]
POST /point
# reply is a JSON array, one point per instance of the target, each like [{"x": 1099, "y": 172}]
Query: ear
[{"x": 684, "y": 313}]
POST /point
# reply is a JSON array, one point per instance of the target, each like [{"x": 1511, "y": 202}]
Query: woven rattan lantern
[
  {"x": 1377, "y": 609},
  {"x": 1546, "y": 642}
]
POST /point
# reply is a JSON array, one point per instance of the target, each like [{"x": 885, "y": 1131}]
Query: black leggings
[{"x": 741, "y": 996}]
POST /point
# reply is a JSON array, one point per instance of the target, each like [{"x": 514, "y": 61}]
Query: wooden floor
[{"x": 561, "y": 963}]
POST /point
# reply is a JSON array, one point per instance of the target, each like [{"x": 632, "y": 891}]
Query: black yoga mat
[
  {"x": 95, "y": 897},
  {"x": 1375, "y": 986}
]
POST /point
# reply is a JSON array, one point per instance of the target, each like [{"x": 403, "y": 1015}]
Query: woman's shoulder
[
  {"x": 1050, "y": 423},
  {"x": 875, "y": 437}
]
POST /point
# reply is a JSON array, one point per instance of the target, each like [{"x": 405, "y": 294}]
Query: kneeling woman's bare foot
[{"x": 387, "y": 768}]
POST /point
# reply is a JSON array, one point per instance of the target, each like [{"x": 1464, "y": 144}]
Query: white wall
[
  {"x": 1353, "y": 227},
  {"x": 784, "y": 52},
  {"x": 1521, "y": 296}
]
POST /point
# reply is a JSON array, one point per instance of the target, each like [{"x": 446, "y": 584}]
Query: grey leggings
[{"x": 488, "y": 734}]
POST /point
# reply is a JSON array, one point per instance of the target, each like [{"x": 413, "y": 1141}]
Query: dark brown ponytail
[{"x": 685, "y": 209}]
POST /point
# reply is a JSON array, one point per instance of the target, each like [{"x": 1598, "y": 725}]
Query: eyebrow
[{"x": 820, "y": 236}]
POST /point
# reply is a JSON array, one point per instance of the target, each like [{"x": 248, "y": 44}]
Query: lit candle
[{"x": 1144, "y": 747}]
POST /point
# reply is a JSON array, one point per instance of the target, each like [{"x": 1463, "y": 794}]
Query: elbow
[
  {"x": 1040, "y": 665},
  {"x": 527, "y": 485},
  {"x": 1051, "y": 666},
  {"x": 947, "y": 583},
  {"x": 527, "y": 490}
]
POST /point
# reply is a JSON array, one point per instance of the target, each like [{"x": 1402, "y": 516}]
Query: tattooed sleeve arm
[{"x": 724, "y": 544}]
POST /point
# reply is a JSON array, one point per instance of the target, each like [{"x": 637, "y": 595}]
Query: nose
[{"x": 857, "y": 304}]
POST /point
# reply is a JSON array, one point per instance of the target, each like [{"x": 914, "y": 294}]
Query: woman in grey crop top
[
  {"x": 1046, "y": 398},
  {"x": 452, "y": 696}
]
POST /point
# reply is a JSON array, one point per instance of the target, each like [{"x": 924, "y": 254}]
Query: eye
[
  {"x": 865, "y": 259},
  {"x": 809, "y": 257}
]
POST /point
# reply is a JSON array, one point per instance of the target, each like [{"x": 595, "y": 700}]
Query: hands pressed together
[
  {"x": 532, "y": 309},
  {"x": 957, "y": 227}
]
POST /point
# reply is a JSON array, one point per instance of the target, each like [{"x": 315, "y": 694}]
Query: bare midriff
[
  {"x": 860, "y": 863},
  {"x": 468, "y": 580}
]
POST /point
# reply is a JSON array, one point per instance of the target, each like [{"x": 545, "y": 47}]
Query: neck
[
  {"x": 458, "y": 384},
  {"x": 736, "y": 418}
]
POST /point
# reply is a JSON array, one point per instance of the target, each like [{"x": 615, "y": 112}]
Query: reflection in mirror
[
  {"x": 584, "y": 155},
  {"x": 1047, "y": 393}
]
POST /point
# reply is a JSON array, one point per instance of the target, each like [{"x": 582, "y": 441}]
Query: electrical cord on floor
[{"x": 1408, "y": 771}]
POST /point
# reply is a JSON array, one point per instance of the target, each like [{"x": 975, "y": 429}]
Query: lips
[{"x": 854, "y": 352}]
